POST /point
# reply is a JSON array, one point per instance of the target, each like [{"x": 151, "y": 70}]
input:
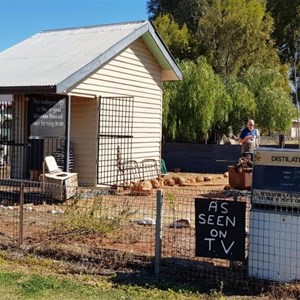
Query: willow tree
[
  {"x": 243, "y": 104},
  {"x": 241, "y": 77},
  {"x": 196, "y": 104},
  {"x": 274, "y": 106}
]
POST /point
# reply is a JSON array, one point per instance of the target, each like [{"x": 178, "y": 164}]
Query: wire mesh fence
[
  {"x": 94, "y": 220},
  {"x": 112, "y": 228},
  {"x": 274, "y": 251},
  {"x": 179, "y": 235}
]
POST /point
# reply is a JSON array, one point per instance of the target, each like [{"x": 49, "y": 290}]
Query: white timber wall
[
  {"x": 136, "y": 73},
  {"x": 84, "y": 138}
]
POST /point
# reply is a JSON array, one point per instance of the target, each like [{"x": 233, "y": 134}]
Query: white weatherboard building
[{"x": 107, "y": 81}]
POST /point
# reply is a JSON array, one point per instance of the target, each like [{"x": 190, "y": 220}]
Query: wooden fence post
[
  {"x": 158, "y": 230},
  {"x": 21, "y": 215}
]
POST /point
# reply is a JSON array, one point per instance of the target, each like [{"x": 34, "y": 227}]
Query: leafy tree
[
  {"x": 244, "y": 104},
  {"x": 176, "y": 39},
  {"x": 274, "y": 106},
  {"x": 196, "y": 104},
  {"x": 286, "y": 15},
  {"x": 183, "y": 11},
  {"x": 236, "y": 34},
  {"x": 241, "y": 76},
  {"x": 286, "y": 32}
]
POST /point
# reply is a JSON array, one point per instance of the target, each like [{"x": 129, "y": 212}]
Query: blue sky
[{"x": 20, "y": 19}]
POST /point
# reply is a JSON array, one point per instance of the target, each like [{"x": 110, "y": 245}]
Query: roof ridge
[{"x": 94, "y": 26}]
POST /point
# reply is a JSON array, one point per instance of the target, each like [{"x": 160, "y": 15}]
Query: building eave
[{"x": 28, "y": 89}]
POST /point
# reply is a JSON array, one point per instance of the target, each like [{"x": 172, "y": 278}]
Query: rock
[
  {"x": 207, "y": 178},
  {"x": 142, "y": 188},
  {"x": 136, "y": 187},
  {"x": 126, "y": 185},
  {"x": 190, "y": 180},
  {"x": 155, "y": 183},
  {"x": 169, "y": 182},
  {"x": 181, "y": 223},
  {"x": 182, "y": 181},
  {"x": 55, "y": 211},
  {"x": 199, "y": 179},
  {"x": 176, "y": 179},
  {"x": 179, "y": 180},
  {"x": 29, "y": 208},
  {"x": 160, "y": 181},
  {"x": 146, "y": 185},
  {"x": 146, "y": 221}
]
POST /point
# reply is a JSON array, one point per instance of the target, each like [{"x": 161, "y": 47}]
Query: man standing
[{"x": 248, "y": 138}]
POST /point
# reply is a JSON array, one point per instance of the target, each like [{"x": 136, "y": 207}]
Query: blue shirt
[
  {"x": 249, "y": 145},
  {"x": 246, "y": 131}
]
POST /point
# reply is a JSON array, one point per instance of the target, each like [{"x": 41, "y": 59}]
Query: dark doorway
[
  {"x": 31, "y": 127},
  {"x": 47, "y": 130},
  {"x": 10, "y": 149}
]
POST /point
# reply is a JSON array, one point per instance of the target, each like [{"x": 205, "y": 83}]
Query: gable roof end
[
  {"x": 59, "y": 59},
  {"x": 171, "y": 71}
]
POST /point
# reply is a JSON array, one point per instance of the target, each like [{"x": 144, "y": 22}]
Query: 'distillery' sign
[{"x": 220, "y": 229}]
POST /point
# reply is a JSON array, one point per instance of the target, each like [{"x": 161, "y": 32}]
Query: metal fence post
[
  {"x": 21, "y": 214},
  {"x": 158, "y": 230}
]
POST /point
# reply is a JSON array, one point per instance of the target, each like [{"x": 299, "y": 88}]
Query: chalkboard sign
[
  {"x": 47, "y": 116},
  {"x": 220, "y": 229}
]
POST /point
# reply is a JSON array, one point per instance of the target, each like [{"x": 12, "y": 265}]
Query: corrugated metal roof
[{"x": 61, "y": 58}]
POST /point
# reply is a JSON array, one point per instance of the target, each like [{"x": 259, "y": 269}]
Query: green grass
[
  {"x": 34, "y": 286},
  {"x": 29, "y": 277}
]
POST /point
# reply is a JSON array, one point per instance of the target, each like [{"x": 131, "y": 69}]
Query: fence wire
[
  {"x": 179, "y": 242},
  {"x": 112, "y": 227}
]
